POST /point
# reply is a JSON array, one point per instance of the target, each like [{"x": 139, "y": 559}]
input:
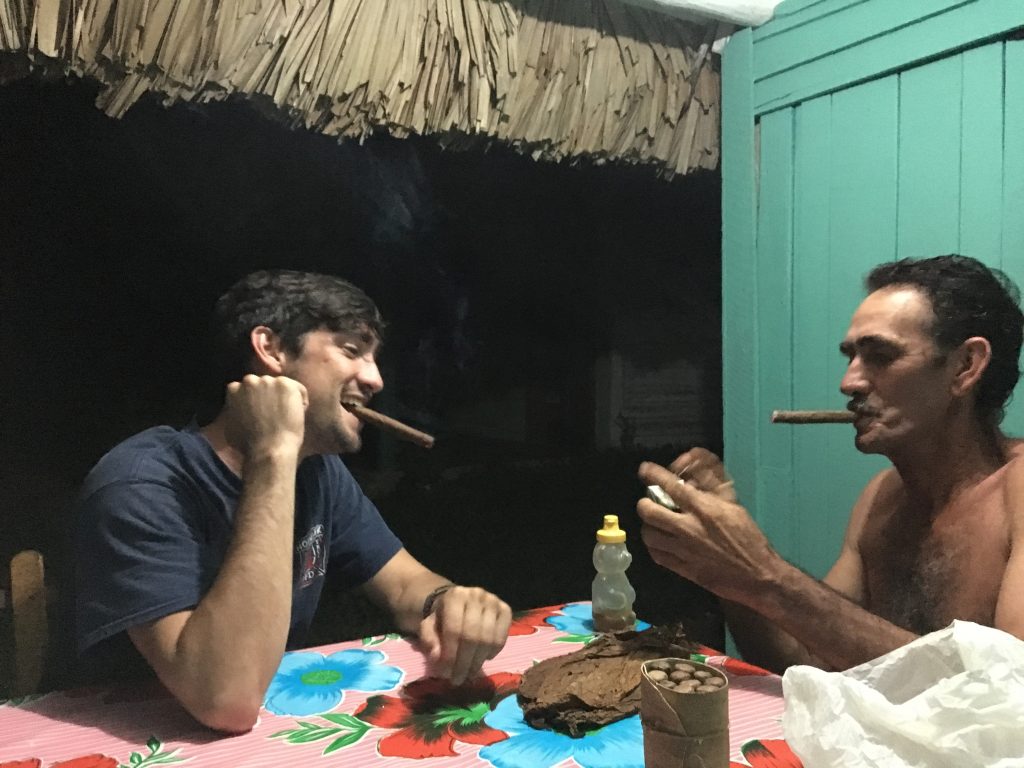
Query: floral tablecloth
[{"x": 373, "y": 703}]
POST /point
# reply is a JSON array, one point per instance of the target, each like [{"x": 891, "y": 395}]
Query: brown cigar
[
  {"x": 812, "y": 417},
  {"x": 395, "y": 427}
]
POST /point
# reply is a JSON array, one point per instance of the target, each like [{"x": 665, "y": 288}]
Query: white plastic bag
[{"x": 951, "y": 698}]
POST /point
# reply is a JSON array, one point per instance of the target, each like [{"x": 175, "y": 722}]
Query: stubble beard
[
  {"x": 864, "y": 447},
  {"x": 335, "y": 436},
  {"x": 346, "y": 441}
]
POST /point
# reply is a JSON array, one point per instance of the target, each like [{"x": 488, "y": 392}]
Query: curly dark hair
[
  {"x": 968, "y": 299},
  {"x": 291, "y": 304}
]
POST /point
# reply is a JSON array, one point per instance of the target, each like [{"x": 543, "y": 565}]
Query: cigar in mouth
[
  {"x": 394, "y": 426},
  {"x": 813, "y": 417}
]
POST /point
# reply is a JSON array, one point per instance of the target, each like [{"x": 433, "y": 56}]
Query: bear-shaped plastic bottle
[{"x": 611, "y": 593}]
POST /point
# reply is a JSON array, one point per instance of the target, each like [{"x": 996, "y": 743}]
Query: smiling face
[
  {"x": 335, "y": 368},
  {"x": 898, "y": 382}
]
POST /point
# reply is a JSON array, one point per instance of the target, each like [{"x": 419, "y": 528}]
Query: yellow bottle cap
[{"x": 611, "y": 533}]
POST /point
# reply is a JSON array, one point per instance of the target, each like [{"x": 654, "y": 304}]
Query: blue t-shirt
[{"x": 155, "y": 517}]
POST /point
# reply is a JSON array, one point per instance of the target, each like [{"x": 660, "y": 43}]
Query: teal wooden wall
[{"x": 854, "y": 132}]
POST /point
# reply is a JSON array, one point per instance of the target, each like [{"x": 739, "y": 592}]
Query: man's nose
[
  {"x": 853, "y": 382},
  {"x": 370, "y": 378}
]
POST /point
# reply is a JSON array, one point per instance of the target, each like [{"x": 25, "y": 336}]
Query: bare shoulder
[
  {"x": 1014, "y": 468},
  {"x": 878, "y": 499},
  {"x": 1013, "y": 488},
  {"x": 880, "y": 492},
  {"x": 1014, "y": 450}
]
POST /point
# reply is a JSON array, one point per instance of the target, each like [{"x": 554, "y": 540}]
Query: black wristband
[{"x": 428, "y": 604}]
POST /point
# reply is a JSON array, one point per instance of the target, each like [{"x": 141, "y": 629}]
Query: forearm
[
  {"x": 401, "y": 587},
  {"x": 232, "y": 644},
  {"x": 830, "y": 627},
  {"x": 407, "y": 609},
  {"x": 761, "y": 642}
]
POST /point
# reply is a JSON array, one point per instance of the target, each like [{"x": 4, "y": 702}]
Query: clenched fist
[{"x": 265, "y": 413}]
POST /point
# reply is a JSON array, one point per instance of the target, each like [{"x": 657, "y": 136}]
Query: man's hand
[
  {"x": 701, "y": 468},
  {"x": 467, "y": 626},
  {"x": 264, "y": 414},
  {"x": 712, "y": 540}
]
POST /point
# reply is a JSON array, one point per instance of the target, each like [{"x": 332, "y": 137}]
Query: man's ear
[
  {"x": 972, "y": 358},
  {"x": 267, "y": 351}
]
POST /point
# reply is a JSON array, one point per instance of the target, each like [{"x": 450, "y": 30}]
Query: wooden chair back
[{"x": 28, "y": 610}]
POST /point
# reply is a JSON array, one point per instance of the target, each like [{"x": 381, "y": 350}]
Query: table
[{"x": 371, "y": 702}]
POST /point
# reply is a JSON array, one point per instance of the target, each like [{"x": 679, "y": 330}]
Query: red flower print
[
  {"x": 432, "y": 715},
  {"x": 89, "y": 761},
  {"x": 769, "y": 753},
  {"x": 527, "y": 622}
]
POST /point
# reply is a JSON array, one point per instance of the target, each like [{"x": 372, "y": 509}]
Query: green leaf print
[
  {"x": 349, "y": 721},
  {"x": 351, "y": 731},
  {"x": 574, "y": 639},
  {"x": 462, "y": 715},
  {"x": 346, "y": 740},
  {"x": 156, "y": 755},
  {"x": 381, "y": 638}
]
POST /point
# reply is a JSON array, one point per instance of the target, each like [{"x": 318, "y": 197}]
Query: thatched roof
[{"x": 561, "y": 79}]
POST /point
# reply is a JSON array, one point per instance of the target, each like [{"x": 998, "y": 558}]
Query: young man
[
  {"x": 933, "y": 356},
  {"x": 207, "y": 547}
]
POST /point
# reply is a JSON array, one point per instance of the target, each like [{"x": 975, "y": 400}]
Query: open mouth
[{"x": 351, "y": 407}]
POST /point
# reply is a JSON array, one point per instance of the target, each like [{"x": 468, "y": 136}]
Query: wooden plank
[
  {"x": 814, "y": 341},
  {"x": 853, "y": 24},
  {"x": 778, "y": 518},
  {"x": 931, "y": 37},
  {"x": 862, "y": 233},
  {"x": 28, "y": 608},
  {"x": 739, "y": 298},
  {"x": 928, "y": 204},
  {"x": 1013, "y": 194},
  {"x": 775, "y": 327},
  {"x": 797, "y": 13},
  {"x": 981, "y": 155}
]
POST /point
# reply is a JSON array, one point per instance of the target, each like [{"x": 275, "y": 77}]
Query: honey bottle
[{"x": 612, "y": 595}]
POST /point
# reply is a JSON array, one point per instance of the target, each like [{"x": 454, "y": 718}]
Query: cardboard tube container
[{"x": 684, "y": 729}]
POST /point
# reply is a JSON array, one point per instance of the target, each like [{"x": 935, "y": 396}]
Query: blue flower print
[
  {"x": 577, "y": 620},
  {"x": 619, "y": 745},
  {"x": 309, "y": 683}
]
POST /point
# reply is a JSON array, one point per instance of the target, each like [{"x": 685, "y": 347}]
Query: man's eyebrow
[
  {"x": 363, "y": 337},
  {"x": 847, "y": 346}
]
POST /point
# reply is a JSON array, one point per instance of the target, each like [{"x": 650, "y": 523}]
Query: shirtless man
[{"x": 933, "y": 356}]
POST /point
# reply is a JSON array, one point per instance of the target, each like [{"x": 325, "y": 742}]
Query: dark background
[{"x": 494, "y": 272}]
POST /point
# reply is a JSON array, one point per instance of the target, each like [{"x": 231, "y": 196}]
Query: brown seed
[
  {"x": 664, "y": 666},
  {"x": 679, "y": 674},
  {"x": 718, "y": 682},
  {"x": 684, "y": 667},
  {"x": 657, "y": 674},
  {"x": 687, "y": 686},
  {"x": 703, "y": 674},
  {"x": 706, "y": 688}
]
